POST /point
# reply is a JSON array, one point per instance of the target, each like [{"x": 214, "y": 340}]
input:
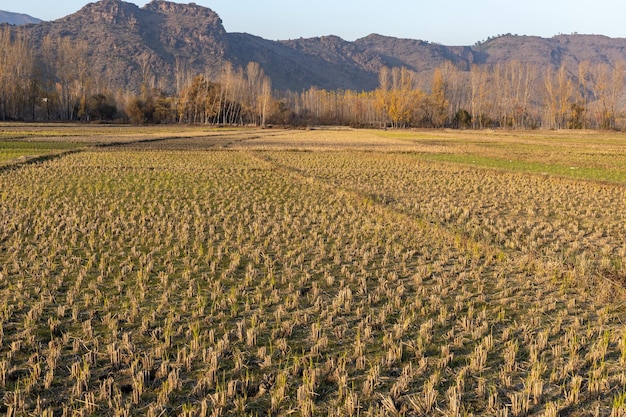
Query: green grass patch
[
  {"x": 10, "y": 150},
  {"x": 516, "y": 165}
]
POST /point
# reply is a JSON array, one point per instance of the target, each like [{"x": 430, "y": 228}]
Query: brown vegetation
[{"x": 169, "y": 62}]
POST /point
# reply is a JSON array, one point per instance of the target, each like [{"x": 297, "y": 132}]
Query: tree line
[
  {"x": 513, "y": 95},
  {"x": 56, "y": 83},
  {"x": 239, "y": 96}
]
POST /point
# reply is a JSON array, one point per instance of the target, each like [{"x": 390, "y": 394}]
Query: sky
[{"x": 449, "y": 22}]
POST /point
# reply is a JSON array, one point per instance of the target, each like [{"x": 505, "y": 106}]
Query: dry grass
[{"x": 271, "y": 272}]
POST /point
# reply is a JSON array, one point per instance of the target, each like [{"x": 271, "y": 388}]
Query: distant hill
[
  {"x": 161, "y": 39},
  {"x": 17, "y": 18}
]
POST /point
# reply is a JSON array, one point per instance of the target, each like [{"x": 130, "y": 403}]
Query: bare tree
[{"x": 16, "y": 75}]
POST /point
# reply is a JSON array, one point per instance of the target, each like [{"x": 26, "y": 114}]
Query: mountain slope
[
  {"x": 415, "y": 54},
  {"x": 164, "y": 42},
  {"x": 17, "y": 18}
]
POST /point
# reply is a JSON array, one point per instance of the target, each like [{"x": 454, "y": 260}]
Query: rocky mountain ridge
[{"x": 162, "y": 40}]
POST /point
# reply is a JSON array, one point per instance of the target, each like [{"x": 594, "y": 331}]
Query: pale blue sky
[{"x": 451, "y": 22}]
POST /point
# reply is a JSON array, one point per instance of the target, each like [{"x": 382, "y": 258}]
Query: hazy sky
[{"x": 451, "y": 22}]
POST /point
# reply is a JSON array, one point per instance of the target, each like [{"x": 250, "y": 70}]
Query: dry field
[{"x": 190, "y": 271}]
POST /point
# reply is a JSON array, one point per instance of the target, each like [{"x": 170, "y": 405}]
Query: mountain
[
  {"x": 17, "y": 18},
  {"x": 128, "y": 44},
  {"x": 163, "y": 41}
]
